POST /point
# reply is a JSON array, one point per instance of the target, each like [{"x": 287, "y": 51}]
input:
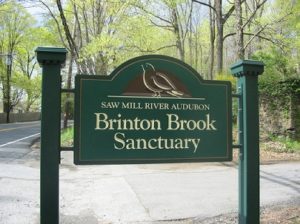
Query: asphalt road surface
[{"x": 16, "y": 138}]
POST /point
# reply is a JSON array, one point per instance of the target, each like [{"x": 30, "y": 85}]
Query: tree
[
  {"x": 281, "y": 46},
  {"x": 241, "y": 24},
  {"x": 239, "y": 29},
  {"x": 26, "y": 64},
  {"x": 13, "y": 23},
  {"x": 86, "y": 25},
  {"x": 86, "y": 29},
  {"x": 175, "y": 18},
  {"x": 221, "y": 19},
  {"x": 212, "y": 24}
]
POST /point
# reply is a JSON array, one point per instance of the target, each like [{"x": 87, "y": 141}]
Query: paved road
[
  {"x": 16, "y": 131},
  {"x": 135, "y": 194},
  {"x": 16, "y": 138}
]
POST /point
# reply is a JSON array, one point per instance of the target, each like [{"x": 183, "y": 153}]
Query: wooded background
[{"x": 209, "y": 35}]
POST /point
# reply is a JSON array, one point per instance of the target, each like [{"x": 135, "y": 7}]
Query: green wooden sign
[{"x": 152, "y": 109}]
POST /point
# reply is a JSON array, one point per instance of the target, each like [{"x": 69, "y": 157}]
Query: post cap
[
  {"x": 51, "y": 55},
  {"x": 247, "y": 67}
]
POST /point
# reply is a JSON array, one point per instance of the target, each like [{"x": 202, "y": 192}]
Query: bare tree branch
[
  {"x": 189, "y": 19},
  {"x": 168, "y": 27},
  {"x": 152, "y": 14},
  {"x": 254, "y": 13},
  {"x": 69, "y": 37},
  {"x": 228, "y": 14},
  {"x": 57, "y": 24},
  {"x": 254, "y": 35},
  {"x": 154, "y": 50},
  {"x": 230, "y": 11},
  {"x": 208, "y": 5},
  {"x": 251, "y": 34}
]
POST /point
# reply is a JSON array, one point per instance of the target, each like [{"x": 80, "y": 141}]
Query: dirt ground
[
  {"x": 288, "y": 214},
  {"x": 269, "y": 154}
]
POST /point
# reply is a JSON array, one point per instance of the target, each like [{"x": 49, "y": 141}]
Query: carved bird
[{"x": 158, "y": 82}]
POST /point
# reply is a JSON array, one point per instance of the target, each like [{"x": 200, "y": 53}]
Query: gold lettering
[
  {"x": 174, "y": 123},
  {"x": 101, "y": 121},
  {"x": 119, "y": 139}
]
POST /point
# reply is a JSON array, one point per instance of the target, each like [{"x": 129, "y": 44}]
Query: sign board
[{"x": 152, "y": 109}]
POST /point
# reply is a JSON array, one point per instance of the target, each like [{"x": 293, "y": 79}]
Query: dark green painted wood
[
  {"x": 247, "y": 68},
  {"x": 50, "y": 60},
  {"x": 126, "y": 85},
  {"x": 249, "y": 188}
]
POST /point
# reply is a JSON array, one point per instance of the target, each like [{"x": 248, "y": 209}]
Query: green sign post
[
  {"x": 247, "y": 73},
  {"x": 51, "y": 60},
  {"x": 151, "y": 109}
]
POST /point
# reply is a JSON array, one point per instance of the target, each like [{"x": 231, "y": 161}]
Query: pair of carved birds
[{"x": 159, "y": 83}]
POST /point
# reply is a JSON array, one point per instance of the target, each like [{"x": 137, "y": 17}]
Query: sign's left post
[{"x": 51, "y": 61}]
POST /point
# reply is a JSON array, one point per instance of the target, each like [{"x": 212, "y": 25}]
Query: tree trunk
[
  {"x": 70, "y": 39},
  {"x": 220, "y": 31},
  {"x": 191, "y": 42},
  {"x": 67, "y": 113},
  {"x": 179, "y": 44},
  {"x": 69, "y": 83},
  {"x": 212, "y": 22},
  {"x": 7, "y": 99},
  {"x": 240, "y": 52},
  {"x": 196, "y": 50}
]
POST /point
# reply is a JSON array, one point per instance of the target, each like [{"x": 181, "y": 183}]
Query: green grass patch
[
  {"x": 66, "y": 137},
  {"x": 292, "y": 145},
  {"x": 288, "y": 145}
]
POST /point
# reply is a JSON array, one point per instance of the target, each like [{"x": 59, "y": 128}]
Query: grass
[
  {"x": 288, "y": 145},
  {"x": 66, "y": 137},
  {"x": 291, "y": 145}
]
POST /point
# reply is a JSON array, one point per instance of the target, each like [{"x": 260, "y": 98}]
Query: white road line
[{"x": 18, "y": 140}]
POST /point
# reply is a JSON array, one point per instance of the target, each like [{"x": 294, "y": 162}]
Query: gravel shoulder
[{"x": 283, "y": 213}]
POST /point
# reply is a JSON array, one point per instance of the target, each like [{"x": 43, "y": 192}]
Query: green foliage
[
  {"x": 32, "y": 88},
  {"x": 21, "y": 36},
  {"x": 66, "y": 137},
  {"x": 288, "y": 145},
  {"x": 68, "y": 101},
  {"x": 275, "y": 88},
  {"x": 227, "y": 77},
  {"x": 110, "y": 32},
  {"x": 278, "y": 64},
  {"x": 233, "y": 80},
  {"x": 140, "y": 37},
  {"x": 279, "y": 79},
  {"x": 278, "y": 94},
  {"x": 173, "y": 3}
]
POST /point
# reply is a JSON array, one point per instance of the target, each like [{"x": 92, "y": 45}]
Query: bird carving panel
[{"x": 156, "y": 83}]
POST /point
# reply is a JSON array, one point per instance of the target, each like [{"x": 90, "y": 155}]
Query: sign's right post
[{"x": 247, "y": 72}]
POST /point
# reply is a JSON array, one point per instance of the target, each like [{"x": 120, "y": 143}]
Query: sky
[{"x": 35, "y": 9}]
